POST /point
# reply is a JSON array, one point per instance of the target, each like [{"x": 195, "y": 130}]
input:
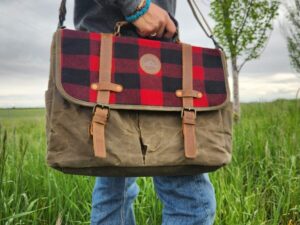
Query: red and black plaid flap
[{"x": 79, "y": 68}]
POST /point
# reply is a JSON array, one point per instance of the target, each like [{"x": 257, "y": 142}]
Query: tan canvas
[{"x": 149, "y": 142}]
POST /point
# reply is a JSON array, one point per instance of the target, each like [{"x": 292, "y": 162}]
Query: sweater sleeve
[{"x": 126, "y": 6}]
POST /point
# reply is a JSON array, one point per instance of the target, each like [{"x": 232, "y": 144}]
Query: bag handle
[{"x": 192, "y": 3}]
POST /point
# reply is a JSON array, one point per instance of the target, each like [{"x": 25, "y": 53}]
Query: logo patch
[{"x": 150, "y": 64}]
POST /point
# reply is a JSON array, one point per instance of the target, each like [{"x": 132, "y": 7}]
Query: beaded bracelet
[{"x": 139, "y": 13}]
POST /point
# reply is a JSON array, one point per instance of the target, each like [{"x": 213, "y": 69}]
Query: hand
[{"x": 155, "y": 22}]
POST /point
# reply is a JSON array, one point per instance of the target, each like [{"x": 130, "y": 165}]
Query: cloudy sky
[{"x": 26, "y": 28}]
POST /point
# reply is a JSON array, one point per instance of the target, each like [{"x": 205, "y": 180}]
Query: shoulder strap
[
  {"x": 202, "y": 22},
  {"x": 62, "y": 13},
  {"x": 192, "y": 3}
]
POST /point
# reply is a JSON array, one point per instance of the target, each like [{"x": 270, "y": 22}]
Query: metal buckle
[
  {"x": 102, "y": 106},
  {"x": 188, "y": 109}
]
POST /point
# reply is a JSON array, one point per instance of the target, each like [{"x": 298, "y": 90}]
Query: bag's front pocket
[
  {"x": 209, "y": 120},
  {"x": 162, "y": 134},
  {"x": 214, "y": 137},
  {"x": 71, "y": 144}
]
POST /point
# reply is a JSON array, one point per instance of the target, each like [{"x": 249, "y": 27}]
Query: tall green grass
[{"x": 260, "y": 187}]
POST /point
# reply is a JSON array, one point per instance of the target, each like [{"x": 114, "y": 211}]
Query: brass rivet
[
  {"x": 178, "y": 93},
  {"x": 94, "y": 86},
  {"x": 119, "y": 88}
]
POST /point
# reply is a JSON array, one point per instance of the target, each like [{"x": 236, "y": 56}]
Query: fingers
[
  {"x": 147, "y": 30},
  {"x": 165, "y": 29},
  {"x": 170, "y": 29},
  {"x": 155, "y": 23},
  {"x": 161, "y": 30}
]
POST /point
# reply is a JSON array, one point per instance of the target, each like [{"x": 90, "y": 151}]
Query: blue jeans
[{"x": 187, "y": 200}]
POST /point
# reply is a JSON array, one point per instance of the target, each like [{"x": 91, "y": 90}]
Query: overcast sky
[{"x": 26, "y": 28}]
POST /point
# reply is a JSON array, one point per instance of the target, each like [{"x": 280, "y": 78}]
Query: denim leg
[
  {"x": 187, "y": 200},
  {"x": 112, "y": 201}
]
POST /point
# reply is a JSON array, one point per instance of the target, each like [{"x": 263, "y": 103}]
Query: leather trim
[{"x": 112, "y": 171}]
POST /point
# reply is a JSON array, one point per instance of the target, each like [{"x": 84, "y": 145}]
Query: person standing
[{"x": 187, "y": 200}]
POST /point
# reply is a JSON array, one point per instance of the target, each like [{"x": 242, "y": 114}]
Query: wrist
[{"x": 127, "y": 6}]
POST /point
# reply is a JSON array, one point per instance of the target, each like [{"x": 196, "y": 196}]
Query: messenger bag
[{"x": 131, "y": 106}]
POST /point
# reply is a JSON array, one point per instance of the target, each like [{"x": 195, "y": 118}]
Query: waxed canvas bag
[{"x": 127, "y": 106}]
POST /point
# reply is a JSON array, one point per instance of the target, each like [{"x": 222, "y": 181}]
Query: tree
[
  {"x": 242, "y": 28},
  {"x": 293, "y": 33}
]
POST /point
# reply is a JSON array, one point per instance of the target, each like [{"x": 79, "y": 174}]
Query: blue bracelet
[{"x": 139, "y": 13}]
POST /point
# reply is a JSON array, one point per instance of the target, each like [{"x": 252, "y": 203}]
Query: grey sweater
[{"x": 102, "y": 15}]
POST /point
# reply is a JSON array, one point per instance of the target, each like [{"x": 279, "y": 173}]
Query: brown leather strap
[
  {"x": 188, "y": 115},
  {"x": 105, "y": 66},
  {"x": 101, "y": 113},
  {"x": 98, "y": 131},
  {"x": 187, "y": 73}
]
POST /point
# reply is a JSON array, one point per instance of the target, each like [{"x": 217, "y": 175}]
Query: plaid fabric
[{"x": 80, "y": 66}]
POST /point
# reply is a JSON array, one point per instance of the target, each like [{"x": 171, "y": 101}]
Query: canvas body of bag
[{"x": 125, "y": 106}]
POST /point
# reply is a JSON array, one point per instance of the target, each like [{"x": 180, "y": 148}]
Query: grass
[{"x": 260, "y": 187}]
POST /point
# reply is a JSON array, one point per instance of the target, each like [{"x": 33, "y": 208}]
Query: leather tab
[
  {"x": 188, "y": 94},
  {"x": 189, "y": 134},
  {"x": 107, "y": 86},
  {"x": 97, "y": 130}
]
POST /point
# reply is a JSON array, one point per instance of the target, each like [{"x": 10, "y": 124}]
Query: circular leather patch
[{"x": 150, "y": 64}]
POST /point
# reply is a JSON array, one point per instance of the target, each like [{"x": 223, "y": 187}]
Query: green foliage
[
  {"x": 260, "y": 186},
  {"x": 293, "y": 36},
  {"x": 242, "y": 26}
]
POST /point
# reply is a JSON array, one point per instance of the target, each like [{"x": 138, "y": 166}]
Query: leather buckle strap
[
  {"x": 187, "y": 94},
  {"x": 97, "y": 130},
  {"x": 101, "y": 110},
  {"x": 189, "y": 132}
]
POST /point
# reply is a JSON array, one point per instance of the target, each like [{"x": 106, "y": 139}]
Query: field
[{"x": 260, "y": 187}]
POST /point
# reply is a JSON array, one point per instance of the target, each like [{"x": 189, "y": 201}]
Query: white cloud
[
  {"x": 268, "y": 87},
  {"x": 22, "y": 101},
  {"x": 26, "y": 28},
  {"x": 12, "y": 85}
]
